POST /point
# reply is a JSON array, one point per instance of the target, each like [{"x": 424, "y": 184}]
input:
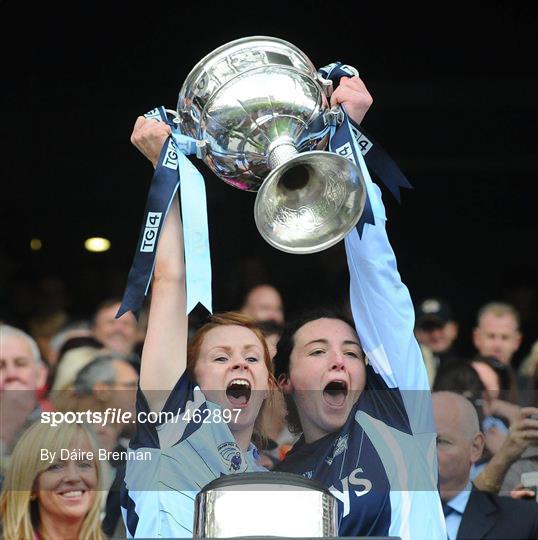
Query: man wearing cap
[{"x": 436, "y": 331}]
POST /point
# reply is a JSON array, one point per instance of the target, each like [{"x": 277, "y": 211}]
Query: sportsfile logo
[{"x": 150, "y": 232}]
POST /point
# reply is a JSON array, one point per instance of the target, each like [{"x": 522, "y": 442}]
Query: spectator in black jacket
[{"x": 469, "y": 512}]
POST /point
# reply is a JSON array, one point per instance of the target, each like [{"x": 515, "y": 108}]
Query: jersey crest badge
[
  {"x": 231, "y": 455},
  {"x": 340, "y": 446}
]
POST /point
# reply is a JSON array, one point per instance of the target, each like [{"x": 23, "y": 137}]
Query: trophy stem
[{"x": 280, "y": 151}]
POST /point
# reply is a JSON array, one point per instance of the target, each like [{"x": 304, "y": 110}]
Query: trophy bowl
[
  {"x": 260, "y": 112},
  {"x": 265, "y": 504}
]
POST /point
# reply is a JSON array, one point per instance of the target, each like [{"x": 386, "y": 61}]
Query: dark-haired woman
[{"x": 359, "y": 393}]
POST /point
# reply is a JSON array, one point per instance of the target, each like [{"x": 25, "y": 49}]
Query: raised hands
[
  {"x": 353, "y": 95},
  {"x": 523, "y": 433},
  {"x": 148, "y": 136}
]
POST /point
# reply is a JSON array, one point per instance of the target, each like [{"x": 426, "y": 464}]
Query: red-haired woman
[{"x": 209, "y": 397}]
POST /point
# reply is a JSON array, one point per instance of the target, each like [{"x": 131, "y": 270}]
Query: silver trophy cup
[
  {"x": 265, "y": 505},
  {"x": 260, "y": 111}
]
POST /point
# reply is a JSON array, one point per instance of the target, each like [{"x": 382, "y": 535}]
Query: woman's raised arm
[{"x": 165, "y": 346}]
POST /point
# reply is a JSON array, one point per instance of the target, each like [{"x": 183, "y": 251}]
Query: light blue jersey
[
  {"x": 383, "y": 313},
  {"x": 186, "y": 454},
  {"x": 382, "y": 464}
]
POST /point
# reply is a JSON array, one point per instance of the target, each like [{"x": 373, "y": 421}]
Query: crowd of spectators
[{"x": 486, "y": 412}]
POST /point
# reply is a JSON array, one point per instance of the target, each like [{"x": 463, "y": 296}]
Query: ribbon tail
[
  {"x": 162, "y": 190},
  {"x": 173, "y": 170},
  {"x": 196, "y": 236},
  {"x": 130, "y": 302},
  {"x": 380, "y": 162}
]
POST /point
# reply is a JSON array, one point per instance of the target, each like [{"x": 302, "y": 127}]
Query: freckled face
[{"x": 231, "y": 371}]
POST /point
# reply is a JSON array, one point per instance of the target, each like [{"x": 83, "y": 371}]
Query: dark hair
[
  {"x": 505, "y": 375},
  {"x": 284, "y": 348},
  {"x": 461, "y": 378},
  {"x": 270, "y": 327}
]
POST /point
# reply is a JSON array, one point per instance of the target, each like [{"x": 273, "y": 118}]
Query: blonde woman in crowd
[{"x": 51, "y": 489}]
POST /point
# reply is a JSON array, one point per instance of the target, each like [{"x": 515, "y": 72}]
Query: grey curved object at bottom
[{"x": 298, "y": 509}]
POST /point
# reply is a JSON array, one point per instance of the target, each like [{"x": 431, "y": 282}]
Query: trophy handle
[
  {"x": 326, "y": 85},
  {"x": 175, "y": 116},
  {"x": 334, "y": 116}
]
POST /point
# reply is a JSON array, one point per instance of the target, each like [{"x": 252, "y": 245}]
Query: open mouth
[
  {"x": 238, "y": 392},
  {"x": 335, "y": 393}
]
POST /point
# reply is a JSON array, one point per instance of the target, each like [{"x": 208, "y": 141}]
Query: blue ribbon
[
  {"x": 195, "y": 233},
  {"x": 353, "y": 142},
  {"x": 173, "y": 170},
  {"x": 342, "y": 142}
]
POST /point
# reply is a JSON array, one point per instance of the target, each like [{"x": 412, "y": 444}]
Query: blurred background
[{"x": 455, "y": 102}]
